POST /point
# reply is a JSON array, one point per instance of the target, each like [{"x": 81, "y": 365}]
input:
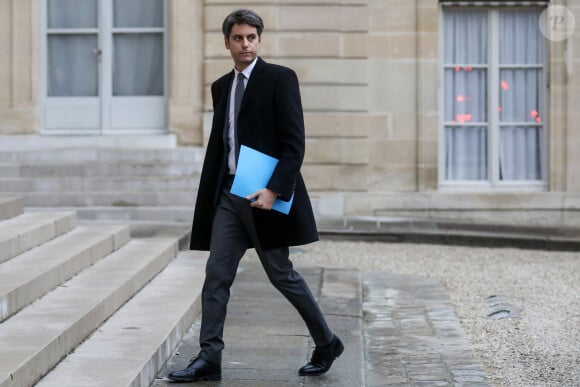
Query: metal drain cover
[{"x": 500, "y": 307}]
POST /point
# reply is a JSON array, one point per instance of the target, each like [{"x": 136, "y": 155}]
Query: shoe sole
[
  {"x": 210, "y": 378},
  {"x": 339, "y": 352}
]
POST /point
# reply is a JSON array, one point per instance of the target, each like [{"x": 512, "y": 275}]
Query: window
[
  {"x": 493, "y": 97},
  {"x": 104, "y": 66}
]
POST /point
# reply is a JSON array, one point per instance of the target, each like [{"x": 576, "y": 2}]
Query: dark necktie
[{"x": 238, "y": 98}]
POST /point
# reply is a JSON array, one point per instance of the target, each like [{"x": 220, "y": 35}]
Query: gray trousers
[{"x": 233, "y": 231}]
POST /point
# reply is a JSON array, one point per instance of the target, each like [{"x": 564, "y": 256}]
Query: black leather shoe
[
  {"x": 322, "y": 358},
  {"x": 198, "y": 370}
]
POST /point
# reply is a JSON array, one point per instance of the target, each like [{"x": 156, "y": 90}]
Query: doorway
[{"x": 104, "y": 67}]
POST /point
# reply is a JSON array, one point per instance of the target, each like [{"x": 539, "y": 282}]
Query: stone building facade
[{"x": 373, "y": 82}]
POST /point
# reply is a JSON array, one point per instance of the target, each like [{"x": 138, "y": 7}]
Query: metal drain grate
[{"x": 500, "y": 307}]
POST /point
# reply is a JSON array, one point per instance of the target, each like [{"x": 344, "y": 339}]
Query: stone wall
[
  {"x": 19, "y": 67},
  {"x": 572, "y": 103},
  {"x": 186, "y": 68},
  {"x": 325, "y": 42},
  {"x": 369, "y": 77}
]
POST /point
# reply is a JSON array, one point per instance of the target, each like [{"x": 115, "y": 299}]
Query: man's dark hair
[{"x": 242, "y": 16}]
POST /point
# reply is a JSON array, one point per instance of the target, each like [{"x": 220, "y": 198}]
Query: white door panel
[
  {"x": 67, "y": 113},
  {"x": 138, "y": 113},
  {"x": 112, "y": 50}
]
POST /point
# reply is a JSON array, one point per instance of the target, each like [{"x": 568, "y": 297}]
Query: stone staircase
[
  {"x": 72, "y": 293},
  {"x": 126, "y": 183}
]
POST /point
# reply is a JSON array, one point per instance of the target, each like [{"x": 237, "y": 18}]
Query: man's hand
[{"x": 262, "y": 199}]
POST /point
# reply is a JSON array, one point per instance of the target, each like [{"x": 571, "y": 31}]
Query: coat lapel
[
  {"x": 223, "y": 108},
  {"x": 223, "y": 105},
  {"x": 254, "y": 80}
]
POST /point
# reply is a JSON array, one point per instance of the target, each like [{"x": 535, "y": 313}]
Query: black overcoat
[{"x": 271, "y": 121}]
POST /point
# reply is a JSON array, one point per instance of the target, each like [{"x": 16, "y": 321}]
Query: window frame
[
  {"x": 493, "y": 182},
  {"x": 100, "y": 119}
]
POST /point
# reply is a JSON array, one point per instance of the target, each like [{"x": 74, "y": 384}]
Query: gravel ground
[{"x": 537, "y": 346}]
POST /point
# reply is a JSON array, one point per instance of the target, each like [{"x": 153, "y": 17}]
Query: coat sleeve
[{"x": 290, "y": 132}]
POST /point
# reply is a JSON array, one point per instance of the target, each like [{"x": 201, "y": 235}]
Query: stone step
[
  {"x": 99, "y": 183},
  {"x": 145, "y": 222},
  {"x": 179, "y": 231},
  {"x": 11, "y": 207},
  {"x": 9, "y": 170},
  {"x": 67, "y": 155},
  {"x": 129, "y": 214},
  {"x": 131, "y": 347},
  {"x": 35, "y": 339},
  {"x": 109, "y": 199},
  {"x": 31, "y": 229},
  {"x": 32, "y": 274},
  {"x": 104, "y": 169},
  {"x": 35, "y": 142}
]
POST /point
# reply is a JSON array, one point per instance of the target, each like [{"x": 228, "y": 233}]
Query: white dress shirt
[{"x": 231, "y": 121}]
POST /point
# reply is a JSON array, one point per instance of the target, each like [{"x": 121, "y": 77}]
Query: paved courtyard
[
  {"x": 398, "y": 330},
  {"x": 410, "y": 314},
  {"x": 518, "y": 307}
]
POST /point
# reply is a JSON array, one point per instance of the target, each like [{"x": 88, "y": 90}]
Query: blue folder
[{"x": 253, "y": 173}]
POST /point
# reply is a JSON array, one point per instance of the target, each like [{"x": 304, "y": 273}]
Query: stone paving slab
[
  {"x": 397, "y": 330},
  {"x": 267, "y": 341},
  {"x": 341, "y": 302},
  {"x": 413, "y": 336}
]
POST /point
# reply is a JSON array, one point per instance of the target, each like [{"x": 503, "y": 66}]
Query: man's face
[{"x": 243, "y": 44}]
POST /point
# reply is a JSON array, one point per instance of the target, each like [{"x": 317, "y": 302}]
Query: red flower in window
[{"x": 461, "y": 118}]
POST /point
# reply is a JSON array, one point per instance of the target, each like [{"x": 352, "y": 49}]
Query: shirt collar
[{"x": 248, "y": 70}]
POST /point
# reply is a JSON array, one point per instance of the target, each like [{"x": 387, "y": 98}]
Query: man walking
[{"x": 257, "y": 105}]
